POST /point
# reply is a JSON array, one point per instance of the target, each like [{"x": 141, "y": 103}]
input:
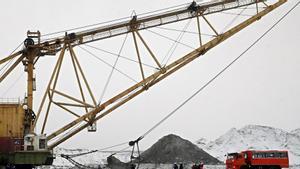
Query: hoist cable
[
  {"x": 10, "y": 61},
  {"x": 221, "y": 72},
  {"x": 211, "y": 80},
  {"x": 111, "y": 21},
  {"x": 82, "y": 27},
  {"x": 112, "y": 70},
  {"x": 6, "y": 66}
]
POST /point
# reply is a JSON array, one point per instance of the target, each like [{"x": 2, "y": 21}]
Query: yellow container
[{"x": 11, "y": 120}]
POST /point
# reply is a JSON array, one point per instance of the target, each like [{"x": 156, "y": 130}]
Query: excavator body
[{"x": 17, "y": 149}]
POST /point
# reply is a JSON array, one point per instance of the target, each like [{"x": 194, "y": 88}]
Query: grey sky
[{"x": 261, "y": 88}]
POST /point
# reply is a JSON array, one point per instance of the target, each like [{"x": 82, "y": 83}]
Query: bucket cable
[
  {"x": 217, "y": 75},
  {"x": 70, "y": 157},
  {"x": 112, "y": 21}
]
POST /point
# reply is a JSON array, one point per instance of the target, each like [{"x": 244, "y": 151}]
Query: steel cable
[
  {"x": 221, "y": 72},
  {"x": 108, "y": 64},
  {"x": 158, "y": 34},
  {"x": 121, "y": 56},
  {"x": 196, "y": 33},
  {"x": 106, "y": 22},
  {"x": 233, "y": 20},
  {"x": 112, "y": 70},
  {"x": 175, "y": 44},
  {"x": 211, "y": 80},
  {"x": 10, "y": 61}
]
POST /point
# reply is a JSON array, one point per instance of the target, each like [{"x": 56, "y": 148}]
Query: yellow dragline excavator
[{"x": 20, "y": 144}]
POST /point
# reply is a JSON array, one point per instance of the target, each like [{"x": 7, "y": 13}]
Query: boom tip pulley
[{"x": 32, "y": 39}]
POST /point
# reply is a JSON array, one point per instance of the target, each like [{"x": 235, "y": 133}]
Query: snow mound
[
  {"x": 296, "y": 132},
  {"x": 255, "y": 137}
]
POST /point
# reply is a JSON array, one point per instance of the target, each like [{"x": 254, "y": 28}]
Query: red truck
[{"x": 256, "y": 159}]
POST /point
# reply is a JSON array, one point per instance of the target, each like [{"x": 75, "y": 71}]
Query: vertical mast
[
  {"x": 30, "y": 54},
  {"x": 30, "y": 59}
]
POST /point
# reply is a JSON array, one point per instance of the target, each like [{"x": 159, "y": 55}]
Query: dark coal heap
[
  {"x": 172, "y": 148},
  {"x": 115, "y": 163}
]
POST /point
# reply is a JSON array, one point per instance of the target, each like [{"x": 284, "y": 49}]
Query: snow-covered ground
[
  {"x": 163, "y": 166},
  {"x": 95, "y": 158},
  {"x": 235, "y": 140},
  {"x": 254, "y": 137}
]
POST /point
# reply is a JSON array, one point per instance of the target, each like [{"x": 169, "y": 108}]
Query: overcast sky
[{"x": 261, "y": 88}]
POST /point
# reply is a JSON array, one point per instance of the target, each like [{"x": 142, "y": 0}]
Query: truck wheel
[
  {"x": 244, "y": 167},
  {"x": 275, "y": 167}
]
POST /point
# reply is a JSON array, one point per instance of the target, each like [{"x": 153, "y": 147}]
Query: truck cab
[{"x": 235, "y": 160}]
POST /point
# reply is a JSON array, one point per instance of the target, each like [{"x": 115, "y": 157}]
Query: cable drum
[{"x": 28, "y": 42}]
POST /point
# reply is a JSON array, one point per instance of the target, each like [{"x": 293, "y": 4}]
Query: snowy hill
[
  {"x": 297, "y": 132},
  {"x": 256, "y": 138}
]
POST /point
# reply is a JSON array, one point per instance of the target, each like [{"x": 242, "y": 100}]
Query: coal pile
[
  {"x": 172, "y": 148},
  {"x": 114, "y": 163}
]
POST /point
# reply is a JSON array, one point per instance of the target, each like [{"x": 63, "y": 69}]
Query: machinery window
[
  {"x": 270, "y": 155},
  {"x": 283, "y": 155},
  {"x": 259, "y": 155},
  {"x": 42, "y": 144},
  {"x": 232, "y": 156}
]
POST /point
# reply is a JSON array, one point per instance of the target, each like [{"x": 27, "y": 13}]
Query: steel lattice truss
[{"x": 91, "y": 110}]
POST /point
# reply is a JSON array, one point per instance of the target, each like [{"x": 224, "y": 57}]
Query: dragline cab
[{"x": 19, "y": 146}]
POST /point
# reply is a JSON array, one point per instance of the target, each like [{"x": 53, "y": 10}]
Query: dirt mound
[{"x": 172, "y": 148}]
